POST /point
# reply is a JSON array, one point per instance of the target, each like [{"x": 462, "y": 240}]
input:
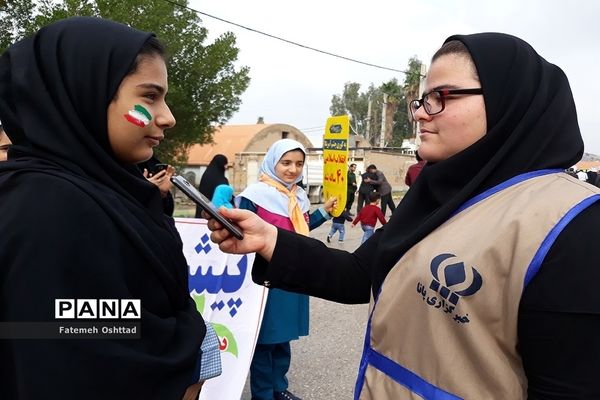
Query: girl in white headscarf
[{"x": 279, "y": 200}]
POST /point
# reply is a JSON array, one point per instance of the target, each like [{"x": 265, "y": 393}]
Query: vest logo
[
  {"x": 97, "y": 308},
  {"x": 451, "y": 279}
]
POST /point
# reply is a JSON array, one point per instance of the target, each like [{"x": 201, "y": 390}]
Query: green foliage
[
  {"x": 356, "y": 104},
  {"x": 204, "y": 85}
]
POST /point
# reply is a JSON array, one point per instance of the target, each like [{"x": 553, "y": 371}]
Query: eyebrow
[
  {"x": 440, "y": 87},
  {"x": 154, "y": 86}
]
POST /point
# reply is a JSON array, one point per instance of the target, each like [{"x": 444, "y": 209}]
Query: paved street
[{"x": 325, "y": 363}]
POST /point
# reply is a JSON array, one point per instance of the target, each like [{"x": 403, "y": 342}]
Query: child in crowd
[
  {"x": 223, "y": 196},
  {"x": 338, "y": 225},
  {"x": 369, "y": 215},
  {"x": 279, "y": 200}
]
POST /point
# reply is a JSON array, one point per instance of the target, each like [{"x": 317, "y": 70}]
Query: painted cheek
[{"x": 138, "y": 116}]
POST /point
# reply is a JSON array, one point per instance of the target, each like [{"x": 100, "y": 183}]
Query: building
[{"x": 244, "y": 146}]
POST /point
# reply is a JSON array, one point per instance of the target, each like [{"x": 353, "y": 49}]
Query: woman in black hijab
[
  {"x": 483, "y": 287},
  {"x": 213, "y": 176},
  {"x": 83, "y": 101}
]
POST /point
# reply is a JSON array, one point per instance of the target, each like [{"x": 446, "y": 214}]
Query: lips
[{"x": 155, "y": 140}]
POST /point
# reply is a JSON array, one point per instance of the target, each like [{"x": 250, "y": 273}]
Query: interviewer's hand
[{"x": 259, "y": 236}]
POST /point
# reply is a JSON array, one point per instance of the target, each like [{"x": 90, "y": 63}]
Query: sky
[{"x": 293, "y": 85}]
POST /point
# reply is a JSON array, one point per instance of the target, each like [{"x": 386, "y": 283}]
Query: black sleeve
[
  {"x": 304, "y": 265},
  {"x": 65, "y": 247},
  {"x": 559, "y": 316}
]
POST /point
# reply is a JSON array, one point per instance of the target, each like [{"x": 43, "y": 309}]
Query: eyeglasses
[{"x": 434, "y": 102}]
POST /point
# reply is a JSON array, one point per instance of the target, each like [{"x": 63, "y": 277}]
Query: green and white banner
[{"x": 222, "y": 287}]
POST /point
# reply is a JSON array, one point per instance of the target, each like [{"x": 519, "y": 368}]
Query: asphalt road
[{"x": 325, "y": 363}]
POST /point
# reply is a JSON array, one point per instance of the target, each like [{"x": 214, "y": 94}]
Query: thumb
[{"x": 235, "y": 214}]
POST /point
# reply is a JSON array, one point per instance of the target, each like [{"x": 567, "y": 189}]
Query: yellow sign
[{"x": 335, "y": 160}]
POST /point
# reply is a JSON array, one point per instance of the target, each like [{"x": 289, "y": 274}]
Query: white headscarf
[{"x": 267, "y": 196}]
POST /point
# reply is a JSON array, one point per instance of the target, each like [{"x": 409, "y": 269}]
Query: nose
[
  {"x": 420, "y": 114},
  {"x": 165, "y": 118}
]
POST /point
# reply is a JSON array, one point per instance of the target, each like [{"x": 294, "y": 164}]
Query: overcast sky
[{"x": 294, "y": 85}]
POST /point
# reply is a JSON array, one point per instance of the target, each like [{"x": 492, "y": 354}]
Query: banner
[
  {"x": 335, "y": 161},
  {"x": 222, "y": 287}
]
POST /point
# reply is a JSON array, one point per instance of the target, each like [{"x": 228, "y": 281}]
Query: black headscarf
[
  {"x": 532, "y": 125},
  {"x": 213, "y": 176},
  {"x": 55, "y": 89}
]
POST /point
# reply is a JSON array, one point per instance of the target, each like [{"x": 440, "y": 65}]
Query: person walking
[
  {"x": 352, "y": 187},
  {"x": 383, "y": 187},
  {"x": 369, "y": 215},
  {"x": 481, "y": 284},
  {"x": 338, "y": 225},
  {"x": 365, "y": 189},
  {"x": 213, "y": 176}
]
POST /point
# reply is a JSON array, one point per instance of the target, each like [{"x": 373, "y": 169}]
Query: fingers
[
  {"x": 145, "y": 173},
  {"x": 160, "y": 174},
  {"x": 219, "y": 236},
  {"x": 205, "y": 215}
]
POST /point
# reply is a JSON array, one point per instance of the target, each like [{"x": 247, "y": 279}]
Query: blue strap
[
  {"x": 540, "y": 255},
  {"x": 408, "y": 379},
  {"x": 364, "y": 360},
  {"x": 504, "y": 185},
  {"x": 395, "y": 371}
]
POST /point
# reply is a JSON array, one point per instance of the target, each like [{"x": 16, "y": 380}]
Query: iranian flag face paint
[{"x": 139, "y": 116}]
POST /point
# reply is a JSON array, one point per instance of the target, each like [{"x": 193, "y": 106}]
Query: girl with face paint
[{"x": 84, "y": 101}]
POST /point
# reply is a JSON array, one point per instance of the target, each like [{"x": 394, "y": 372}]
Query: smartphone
[
  {"x": 159, "y": 167},
  {"x": 190, "y": 191}
]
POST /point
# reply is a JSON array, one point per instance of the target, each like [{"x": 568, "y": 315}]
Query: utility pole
[
  {"x": 369, "y": 112},
  {"x": 383, "y": 120}
]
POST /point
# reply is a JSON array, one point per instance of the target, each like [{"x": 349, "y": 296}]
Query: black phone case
[{"x": 158, "y": 167}]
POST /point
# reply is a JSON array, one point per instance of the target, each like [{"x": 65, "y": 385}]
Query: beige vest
[{"x": 445, "y": 322}]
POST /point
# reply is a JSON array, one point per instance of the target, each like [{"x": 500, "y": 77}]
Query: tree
[
  {"x": 353, "y": 103},
  {"x": 204, "y": 85},
  {"x": 398, "y": 121},
  {"x": 412, "y": 81}
]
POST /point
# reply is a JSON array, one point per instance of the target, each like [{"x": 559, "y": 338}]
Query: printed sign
[
  {"x": 222, "y": 287},
  {"x": 335, "y": 160}
]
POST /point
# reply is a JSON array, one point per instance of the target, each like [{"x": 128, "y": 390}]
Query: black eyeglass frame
[{"x": 443, "y": 94}]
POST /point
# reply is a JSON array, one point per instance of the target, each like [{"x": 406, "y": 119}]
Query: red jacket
[
  {"x": 413, "y": 171},
  {"x": 369, "y": 214}
]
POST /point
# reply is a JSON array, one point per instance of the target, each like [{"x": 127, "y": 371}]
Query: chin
[
  {"x": 141, "y": 157},
  {"x": 429, "y": 156}
]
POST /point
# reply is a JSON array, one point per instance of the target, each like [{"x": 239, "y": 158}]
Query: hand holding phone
[
  {"x": 159, "y": 167},
  {"x": 190, "y": 191}
]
